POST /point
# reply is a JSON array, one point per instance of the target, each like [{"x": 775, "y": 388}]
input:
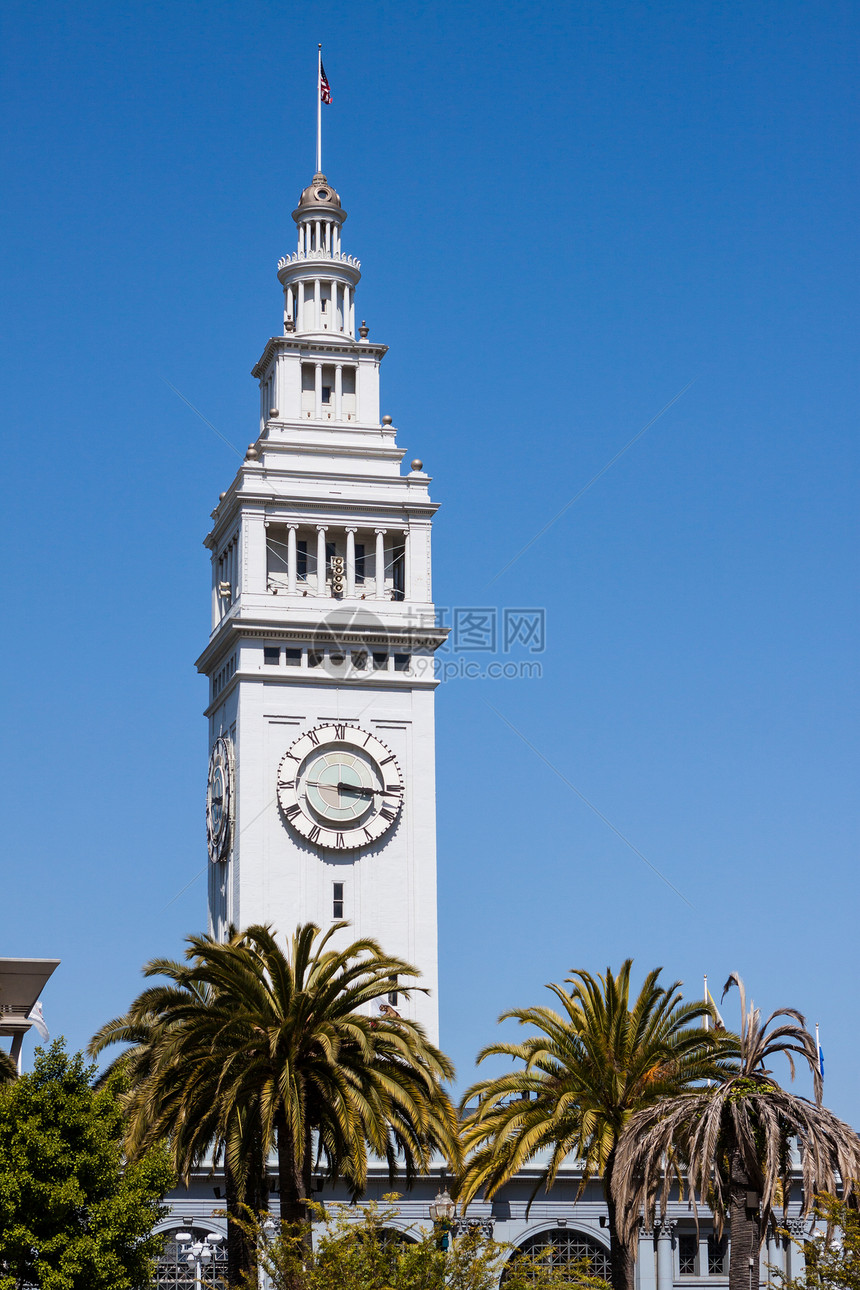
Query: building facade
[{"x": 321, "y": 788}]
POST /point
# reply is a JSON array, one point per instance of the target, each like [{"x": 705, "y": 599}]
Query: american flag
[{"x": 325, "y": 88}]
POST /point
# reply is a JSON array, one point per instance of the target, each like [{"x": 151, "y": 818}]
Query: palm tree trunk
[
  {"x": 294, "y": 1181},
  {"x": 744, "y": 1230},
  {"x": 620, "y": 1257}
]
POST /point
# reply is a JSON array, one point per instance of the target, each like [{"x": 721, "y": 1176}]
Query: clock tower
[{"x": 321, "y": 792}]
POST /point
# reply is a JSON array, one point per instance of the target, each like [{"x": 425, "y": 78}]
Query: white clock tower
[{"x": 321, "y": 794}]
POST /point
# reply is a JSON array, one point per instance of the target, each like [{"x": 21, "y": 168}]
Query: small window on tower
[
  {"x": 359, "y": 562},
  {"x": 326, "y": 394},
  {"x": 337, "y": 900},
  {"x": 315, "y": 658},
  {"x": 302, "y": 561},
  {"x": 392, "y": 994},
  {"x": 324, "y": 305},
  {"x": 293, "y": 657},
  {"x": 271, "y": 655},
  {"x": 380, "y": 662},
  {"x": 401, "y": 662}
]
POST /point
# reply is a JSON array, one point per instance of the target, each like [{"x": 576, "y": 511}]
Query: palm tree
[
  {"x": 734, "y": 1142},
  {"x": 8, "y": 1067},
  {"x": 585, "y": 1072},
  {"x": 250, "y": 1049}
]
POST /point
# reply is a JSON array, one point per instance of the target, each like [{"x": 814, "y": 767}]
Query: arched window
[
  {"x": 174, "y": 1272},
  {"x": 565, "y": 1249}
]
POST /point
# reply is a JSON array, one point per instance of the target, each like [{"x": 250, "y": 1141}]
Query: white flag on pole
[{"x": 38, "y": 1020}]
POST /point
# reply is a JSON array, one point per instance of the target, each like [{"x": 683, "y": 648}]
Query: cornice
[
  {"x": 233, "y": 632},
  {"x": 316, "y": 508},
  {"x": 343, "y": 346}
]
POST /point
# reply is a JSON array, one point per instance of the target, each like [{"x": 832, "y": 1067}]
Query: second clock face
[{"x": 340, "y": 787}]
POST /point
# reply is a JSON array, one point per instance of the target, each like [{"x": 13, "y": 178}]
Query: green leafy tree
[
  {"x": 252, "y": 1043},
  {"x": 832, "y": 1254},
  {"x": 734, "y": 1141},
  {"x": 364, "y": 1250},
  {"x": 73, "y": 1214},
  {"x": 588, "y": 1068},
  {"x": 8, "y": 1067}
]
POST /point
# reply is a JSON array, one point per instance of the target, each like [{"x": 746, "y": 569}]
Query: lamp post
[
  {"x": 442, "y": 1212},
  {"x": 197, "y": 1253}
]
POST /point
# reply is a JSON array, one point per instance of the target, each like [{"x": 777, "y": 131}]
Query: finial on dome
[
  {"x": 363, "y": 330},
  {"x": 418, "y": 464},
  {"x": 386, "y": 420}
]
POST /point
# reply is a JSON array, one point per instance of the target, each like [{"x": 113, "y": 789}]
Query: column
[
  {"x": 216, "y": 607},
  {"x": 352, "y": 316},
  {"x": 318, "y": 388},
  {"x": 346, "y": 309},
  {"x": 408, "y": 590},
  {"x": 350, "y": 563},
  {"x": 322, "y": 529},
  {"x": 793, "y": 1255},
  {"x": 290, "y": 312},
  {"x": 317, "y": 320},
  {"x": 291, "y": 559},
  {"x": 645, "y": 1260},
  {"x": 300, "y": 322},
  {"x": 338, "y": 392},
  {"x": 379, "y": 567},
  {"x": 336, "y": 234},
  {"x": 665, "y": 1256},
  {"x": 318, "y": 234}
]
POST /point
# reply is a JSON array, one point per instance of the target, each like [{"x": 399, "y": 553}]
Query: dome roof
[{"x": 318, "y": 195}]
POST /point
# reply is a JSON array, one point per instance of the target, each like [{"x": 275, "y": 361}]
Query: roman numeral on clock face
[
  {"x": 340, "y": 732},
  {"x": 386, "y": 760},
  {"x": 286, "y": 783},
  {"x": 388, "y": 814},
  {"x": 292, "y": 812},
  {"x": 314, "y": 833},
  {"x": 314, "y": 737}
]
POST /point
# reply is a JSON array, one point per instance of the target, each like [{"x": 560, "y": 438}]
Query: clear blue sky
[{"x": 565, "y": 213}]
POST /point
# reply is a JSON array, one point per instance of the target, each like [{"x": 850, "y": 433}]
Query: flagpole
[
  {"x": 707, "y": 1018},
  {"x": 818, "y": 1052},
  {"x": 319, "y": 110}
]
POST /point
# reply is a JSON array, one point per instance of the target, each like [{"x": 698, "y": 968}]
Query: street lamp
[
  {"x": 442, "y": 1212},
  {"x": 196, "y": 1253}
]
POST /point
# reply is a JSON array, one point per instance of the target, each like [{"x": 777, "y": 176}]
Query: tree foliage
[
  {"x": 587, "y": 1068},
  {"x": 252, "y": 1047},
  {"x": 832, "y": 1254},
  {"x": 73, "y": 1216},
  {"x": 366, "y": 1248},
  {"x": 734, "y": 1141}
]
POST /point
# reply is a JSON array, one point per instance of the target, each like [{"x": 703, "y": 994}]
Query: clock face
[
  {"x": 219, "y": 800},
  {"x": 340, "y": 787}
]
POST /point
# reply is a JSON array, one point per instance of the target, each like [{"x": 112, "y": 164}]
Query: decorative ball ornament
[
  {"x": 386, "y": 420},
  {"x": 219, "y": 800},
  {"x": 252, "y": 454},
  {"x": 418, "y": 464},
  {"x": 339, "y": 787},
  {"x": 273, "y": 412},
  {"x": 221, "y": 496}
]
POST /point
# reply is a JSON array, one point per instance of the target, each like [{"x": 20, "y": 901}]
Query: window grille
[
  {"x": 568, "y": 1248},
  {"x": 717, "y": 1256},
  {"x": 688, "y": 1254}
]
